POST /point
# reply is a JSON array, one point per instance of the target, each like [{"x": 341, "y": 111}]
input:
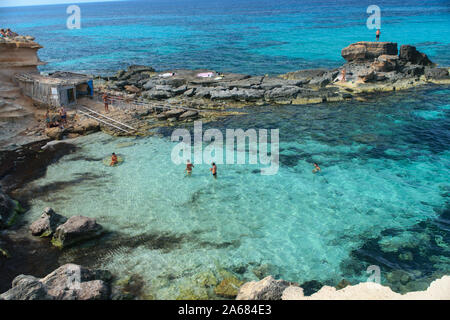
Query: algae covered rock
[
  {"x": 228, "y": 287},
  {"x": 76, "y": 229}
]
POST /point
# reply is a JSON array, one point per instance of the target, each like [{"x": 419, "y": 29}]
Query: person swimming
[
  {"x": 189, "y": 167},
  {"x": 214, "y": 170},
  {"x": 114, "y": 160},
  {"x": 316, "y": 168}
]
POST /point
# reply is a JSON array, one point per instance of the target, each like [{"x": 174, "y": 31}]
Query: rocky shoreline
[{"x": 370, "y": 67}]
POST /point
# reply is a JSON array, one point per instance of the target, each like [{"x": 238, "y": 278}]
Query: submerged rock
[
  {"x": 68, "y": 282},
  {"x": 228, "y": 287},
  {"x": 265, "y": 289},
  {"x": 46, "y": 225},
  {"x": 76, "y": 229}
]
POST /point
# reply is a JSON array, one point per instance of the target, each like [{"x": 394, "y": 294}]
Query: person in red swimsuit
[
  {"x": 189, "y": 167},
  {"x": 114, "y": 160},
  {"x": 316, "y": 168}
]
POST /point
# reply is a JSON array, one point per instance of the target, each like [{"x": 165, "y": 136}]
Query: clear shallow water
[
  {"x": 381, "y": 199},
  {"x": 250, "y": 36}
]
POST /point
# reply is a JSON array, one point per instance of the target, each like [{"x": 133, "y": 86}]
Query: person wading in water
[{"x": 189, "y": 167}]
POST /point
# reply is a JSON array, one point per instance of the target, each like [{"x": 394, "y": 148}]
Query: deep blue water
[{"x": 247, "y": 36}]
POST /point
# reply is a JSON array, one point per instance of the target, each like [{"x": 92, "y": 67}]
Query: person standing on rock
[
  {"x": 344, "y": 72},
  {"x": 378, "y": 34},
  {"x": 105, "y": 100}
]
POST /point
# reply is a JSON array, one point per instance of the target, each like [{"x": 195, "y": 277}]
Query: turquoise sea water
[
  {"x": 249, "y": 36},
  {"x": 382, "y": 197}
]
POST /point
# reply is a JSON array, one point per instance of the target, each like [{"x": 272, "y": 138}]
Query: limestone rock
[
  {"x": 265, "y": 289},
  {"x": 68, "y": 282},
  {"x": 188, "y": 114},
  {"x": 174, "y": 113},
  {"x": 132, "y": 89},
  {"x": 46, "y": 225},
  {"x": 86, "y": 126},
  {"x": 367, "y": 50},
  {"x": 386, "y": 63},
  {"x": 54, "y": 133},
  {"x": 76, "y": 229},
  {"x": 437, "y": 73},
  {"x": 286, "y": 92},
  {"x": 292, "y": 293},
  {"x": 411, "y": 54},
  {"x": 26, "y": 288}
]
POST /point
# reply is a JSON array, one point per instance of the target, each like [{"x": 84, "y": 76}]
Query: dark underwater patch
[{"x": 413, "y": 265}]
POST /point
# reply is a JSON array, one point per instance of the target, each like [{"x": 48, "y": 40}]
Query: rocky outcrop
[
  {"x": 17, "y": 55},
  {"x": 386, "y": 63},
  {"x": 269, "y": 289},
  {"x": 46, "y": 225},
  {"x": 410, "y": 54},
  {"x": 76, "y": 229},
  {"x": 367, "y": 50},
  {"x": 437, "y": 73},
  {"x": 265, "y": 289},
  {"x": 68, "y": 282}
]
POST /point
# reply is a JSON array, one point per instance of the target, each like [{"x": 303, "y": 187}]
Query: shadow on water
[
  {"x": 97, "y": 251},
  {"x": 33, "y": 191}
]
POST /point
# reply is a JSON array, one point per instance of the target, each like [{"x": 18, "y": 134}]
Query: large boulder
[
  {"x": 76, "y": 229},
  {"x": 68, "y": 282},
  {"x": 385, "y": 63},
  {"x": 55, "y": 133},
  {"x": 367, "y": 50},
  {"x": 46, "y": 225},
  {"x": 265, "y": 289},
  {"x": 74, "y": 282},
  {"x": 26, "y": 288},
  {"x": 283, "y": 93},
  {"x": 411, "y": 54},
  {"x": 87, "y": 125}
]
